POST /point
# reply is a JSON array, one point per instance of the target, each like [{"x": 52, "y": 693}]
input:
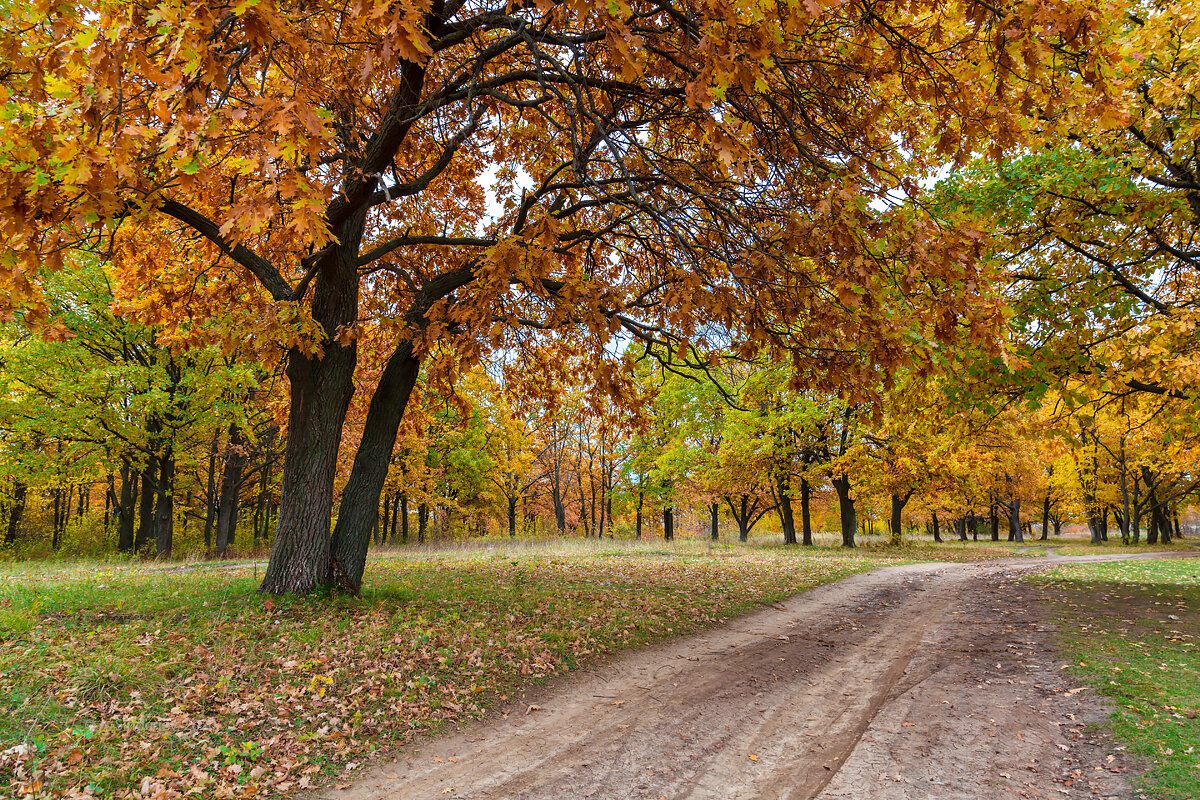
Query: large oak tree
[{"x": 380, "y": 176}]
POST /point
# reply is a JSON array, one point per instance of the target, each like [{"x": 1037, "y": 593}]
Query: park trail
[{"x": 909, "y": 682}]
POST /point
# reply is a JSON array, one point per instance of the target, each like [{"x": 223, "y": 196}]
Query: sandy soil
[{"x": 922, "y": 681}]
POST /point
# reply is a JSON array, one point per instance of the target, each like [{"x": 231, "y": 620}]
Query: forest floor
[{"x": 912, "y": 681}]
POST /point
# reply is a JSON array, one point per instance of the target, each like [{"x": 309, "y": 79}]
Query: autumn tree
[{"x": 453, "y": 171}]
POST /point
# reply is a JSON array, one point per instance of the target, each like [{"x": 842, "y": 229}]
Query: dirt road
[{"x": 923, "y": 681}]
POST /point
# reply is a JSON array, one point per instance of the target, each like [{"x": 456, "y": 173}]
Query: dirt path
[{"x": 920, "y": 681}]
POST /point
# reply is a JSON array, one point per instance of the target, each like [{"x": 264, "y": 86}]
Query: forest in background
[{"x": 312, "y": 278}]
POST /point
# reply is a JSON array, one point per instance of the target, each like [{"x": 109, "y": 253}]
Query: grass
[
  {"x": 1132, "y": 630},
  {"x": 143, "y": 680}
]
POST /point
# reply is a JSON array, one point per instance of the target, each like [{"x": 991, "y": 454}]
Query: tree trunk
[
  {"x": 841, "y": 485},
  {"x": 149, "y": 483},
  {"x": 321, "y": 385},
  {"x": 231, "y": 482},
  {"x": 786, "y": 519},
  {"x": 668, "y": 523},
  {"x": 110, "y": 484},
  {"x": 712, "y": 528},
  {"x": 896, "y": 522},
  {"x": 1045, "y": 518},
  {"x": 583, "y": 505},
  {"x": 1014, "y": 520},
  {"x": 806, "y": 537},
  {"x": 641, "y": 500},
  {"x": 124, "y": 506},
  {"x": 210, "y": 495},
  {"x": 422, "y": 522},
  {"x": 404, "y": 517},
  {"x": 15, "y": 512},
  {"x": 381, "y": 532},
  {"x": 937, "y": 536},
  {"x": 360, "y": 499},
  {"x": 164, "y": 507}
]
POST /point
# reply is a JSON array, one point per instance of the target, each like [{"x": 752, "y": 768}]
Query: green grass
[
  {"x": 129, "y": 677},
  {"x": 1083, "y": 547},
  {"x": 1132, "y": 630}
]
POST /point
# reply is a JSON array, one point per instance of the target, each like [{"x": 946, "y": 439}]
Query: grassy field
[
  {"x": 1132, "y": 630},
  {"x": 145, "y": 680}
]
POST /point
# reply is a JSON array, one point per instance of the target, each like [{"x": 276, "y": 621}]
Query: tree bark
[
  {"x": 849, "y": 520},
  {"x": 668, "y": 524},
  {"x": 896, "y": 522},
  {"x": 806, "y": 537},
  {"x": 164, "y": 507},
  {"x": 321, "y": 385},
  {"x": 937, "y": 536},
  {"x": 786, "y": 520},
  {"x": 231, "y": 482},
  {"x": 1014, "y": 520},
  {"x": 149, "y": 483},
  {"x": 360, "y": 498},
  {"x": 124, "y": 506},
  {"x": 712, "y": 527}
]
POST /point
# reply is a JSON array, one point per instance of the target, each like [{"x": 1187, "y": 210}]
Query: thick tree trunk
[
  {"x": 668, "y": 524},
  {"x": 422, "y": 522},
  {"x": 1014, "y": 520},
  {"x": 933, "y": 520},
  {"x": 321, "y": 385},
  {"x": 164, "y": 507},
  {"x": 512, "y": 517},
  {"x": 360, "y": 499},
  {"x": 712, "y": 526},
  {"x": 786, "y": 520},
  {"x": 231, "y": 482},
  {"x": 149, "y": 488},
  {"x": 849, "y": 520},
  {"x": 124, "y": 506},
  {"x": 896, "y": 523},
  {"x": 994, "y": 522},
  {"x": 806, "y": 537}
]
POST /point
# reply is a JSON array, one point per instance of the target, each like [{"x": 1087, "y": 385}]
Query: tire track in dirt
[{"x": 779, "y": 704}]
